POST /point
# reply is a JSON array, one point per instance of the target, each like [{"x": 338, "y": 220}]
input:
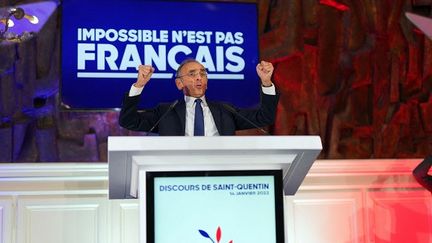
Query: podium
[{"x": 130, "y": 158}]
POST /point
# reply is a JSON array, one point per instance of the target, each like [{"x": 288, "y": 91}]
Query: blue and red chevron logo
[{"x": 218, "y": 235}]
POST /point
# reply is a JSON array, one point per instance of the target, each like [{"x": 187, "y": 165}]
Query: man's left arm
[{"x": 265, "y": 114}]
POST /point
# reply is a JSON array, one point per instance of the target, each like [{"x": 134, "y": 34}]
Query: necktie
[{"x": 199, "y": 119}]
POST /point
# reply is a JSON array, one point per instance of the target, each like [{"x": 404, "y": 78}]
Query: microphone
[
  {"x": 232, "y": 110},
  {"x": 163, "y": 115},
  {"x": 18, "y": 13}
]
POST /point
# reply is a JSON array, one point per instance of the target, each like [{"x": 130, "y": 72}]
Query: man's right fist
[{"x": 144, "y": 74}]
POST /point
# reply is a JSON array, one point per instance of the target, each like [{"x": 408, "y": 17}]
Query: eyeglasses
[{"x": 195, "y": 74}]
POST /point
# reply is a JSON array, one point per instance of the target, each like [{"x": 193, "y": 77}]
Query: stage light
[
  {"x": 32, "y": 19},
  {"x": 18, "y": 13},
  {"x": 23, "y": 21},
  {"x": 9, "y": 22}
]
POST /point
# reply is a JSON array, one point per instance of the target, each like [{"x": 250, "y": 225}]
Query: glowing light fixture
[
  {"x": 35, "y": 15},
  {"x": 32, "y": 19},
  {"x": 10, "y": 23}
]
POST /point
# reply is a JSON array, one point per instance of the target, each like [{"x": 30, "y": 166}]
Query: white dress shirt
[
  {"x": 210, "y": 128},
  {"x": 209, "y": 124}
]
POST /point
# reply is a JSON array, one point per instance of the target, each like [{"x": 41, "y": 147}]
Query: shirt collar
[{"x": 190, "y": 101}]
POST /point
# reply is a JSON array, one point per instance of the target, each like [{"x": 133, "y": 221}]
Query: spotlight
[
  {"x": 35, "y": 15},
  {"x": 18, "y": 13},
  {"x": 32, "y": 18},
  {"x": 9, "y": 22}
]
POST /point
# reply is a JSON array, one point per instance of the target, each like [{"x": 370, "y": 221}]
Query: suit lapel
[
  {"x": 181, "y": 112},
  {"x": 217, "y": 116}
]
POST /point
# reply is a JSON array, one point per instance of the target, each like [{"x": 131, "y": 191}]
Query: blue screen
[{"x": 103, "y": 42}]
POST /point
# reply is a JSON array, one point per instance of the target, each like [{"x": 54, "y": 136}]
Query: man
[
  {"x": 421, "y": 173},
  {"x": 195, "y": 115}
]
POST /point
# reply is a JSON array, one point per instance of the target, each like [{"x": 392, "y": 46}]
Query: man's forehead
[{"x": 192, "y": 66}]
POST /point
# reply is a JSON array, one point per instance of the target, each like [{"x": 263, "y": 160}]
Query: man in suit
[
  {"x": 195, "y": 115},
  {"x": 421, "y": 173}
]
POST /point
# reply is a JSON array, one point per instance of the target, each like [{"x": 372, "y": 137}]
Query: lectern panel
[{"x": 215, "y": 206}]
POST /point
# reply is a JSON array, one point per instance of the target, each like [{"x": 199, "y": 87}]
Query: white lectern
[{"x": 131, "y": 157}]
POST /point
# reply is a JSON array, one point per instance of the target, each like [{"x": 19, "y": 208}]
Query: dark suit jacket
[
  {"x": 173, "y": 124},
  {"x": 421, "y": 173}
]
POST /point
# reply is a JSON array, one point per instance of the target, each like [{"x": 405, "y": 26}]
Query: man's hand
[
  {"x": 265, "y": 71},
  {"x": 144, "y": 74}
]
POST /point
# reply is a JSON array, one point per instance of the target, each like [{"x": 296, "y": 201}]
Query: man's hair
[{"x": 189, "y": 60}]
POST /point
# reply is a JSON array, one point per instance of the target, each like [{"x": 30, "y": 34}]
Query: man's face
[{"x": 192, "y": 79}]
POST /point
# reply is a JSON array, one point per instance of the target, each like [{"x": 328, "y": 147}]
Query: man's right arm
[
  {"x": 144, "y": 74},
  {"x": 129, "y": 117},
  {"x": 134, "y": 91}
]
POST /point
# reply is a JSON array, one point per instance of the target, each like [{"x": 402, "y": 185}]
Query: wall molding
[{"x": 352, "y": 196}]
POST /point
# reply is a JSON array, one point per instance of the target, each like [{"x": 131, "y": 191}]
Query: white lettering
[
  {"x": 131, "y": 58},
  {"x": 133, "y": 35},
  {"x": 173, "y": 53},
  {"x": 219, "y": 58},
  {"x": 123, "y": 35},
  {"x": 177, "y": 36},
  {"x": 146, "y": 34},
  {"x": 100, "y": 33},
  {"x": 158, "y": 58},
  {"x": 222, "y": 54},
  {"x": 219, "y": 37},
  {"x": 229, "y": 38},
  {"x": 85, "y": 53},
  {"x": 191, "y": 37},
  {"x": 111, "y": 35},
  {"x": 110, "y": 58},
  {"x": 79, "y": 30},
  {"x": 234, "y": 58},
  {"x": 88, "y": 34},
  {"x": 238, "y": 36},
  {"x": 164, "y": 36},
  {"x": 204, "y": 57}
]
